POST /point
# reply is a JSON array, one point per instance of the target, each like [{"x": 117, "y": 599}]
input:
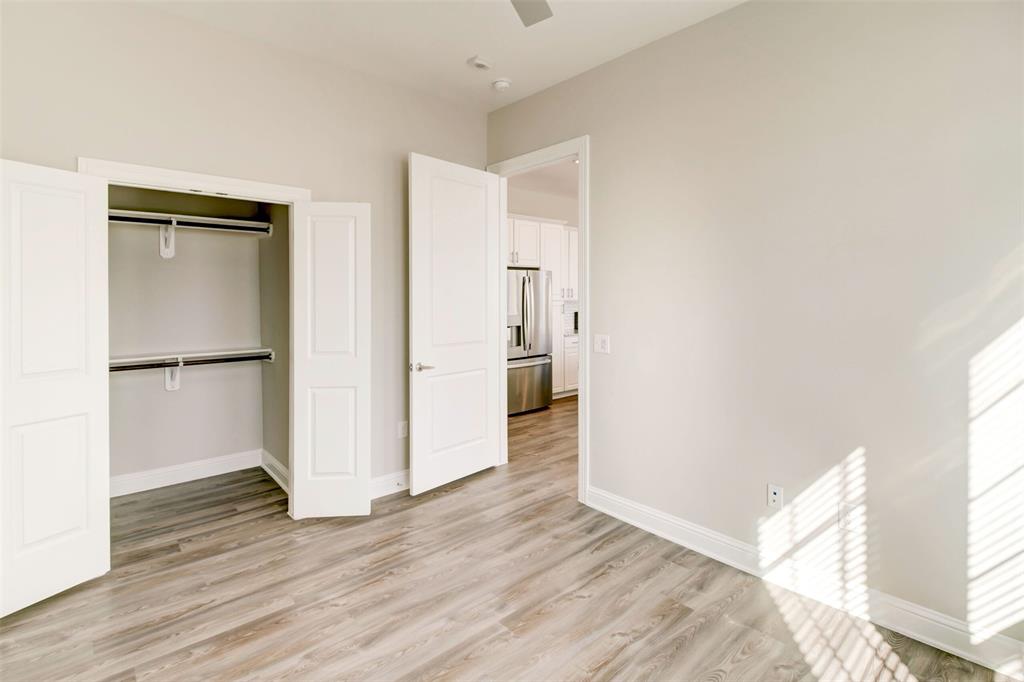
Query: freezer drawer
[{"x": 529, "y": 384}]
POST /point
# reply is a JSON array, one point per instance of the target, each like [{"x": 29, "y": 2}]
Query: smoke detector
[
  {"x": 478, "y": 63},
  {"x": 502, "y": 84}
]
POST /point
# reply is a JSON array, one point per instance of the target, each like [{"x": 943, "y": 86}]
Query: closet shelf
[
  {"x": 256, "y": 227},
  {"x": 125, "y": 363}
]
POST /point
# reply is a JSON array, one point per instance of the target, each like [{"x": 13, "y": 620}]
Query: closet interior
[{"x": 199, "y": 332}]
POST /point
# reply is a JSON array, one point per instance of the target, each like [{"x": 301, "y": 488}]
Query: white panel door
[
  {"x": 454, "y": 264},
  {"x": 527, "y": 243},
  {"x": 54, "y": 442},
  {"x": 329, "y": 463},
  {"x": 552, "y": 258}
]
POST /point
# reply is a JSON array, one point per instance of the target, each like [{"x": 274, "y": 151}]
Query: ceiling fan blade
[{"x": 532, "y": 11}]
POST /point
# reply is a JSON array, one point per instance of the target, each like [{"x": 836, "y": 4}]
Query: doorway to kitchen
[{"x": 545, "y": 303}]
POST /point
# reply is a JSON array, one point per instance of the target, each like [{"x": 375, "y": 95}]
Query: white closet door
[
  {"x": 54, "y": 442},
  {"x": 455, "y": 261},
  {"x": 329, "y": 465}
]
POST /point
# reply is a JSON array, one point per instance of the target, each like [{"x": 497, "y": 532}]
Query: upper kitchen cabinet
[
  {"x": 571, "y": 251},
  {"x": 552, "y": 257},
  {"x": 524, "y": 242}
]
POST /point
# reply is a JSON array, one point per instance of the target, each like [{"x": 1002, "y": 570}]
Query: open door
[
  {"x": 329, "y": 463},
  {"x": 455, "y": 261},
  {"x": 54, "y": 442}
]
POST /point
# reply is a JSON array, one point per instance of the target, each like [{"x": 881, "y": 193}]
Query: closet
[
  {"x": 199, "y": 344},
  {"x": 158, "y": 326}
]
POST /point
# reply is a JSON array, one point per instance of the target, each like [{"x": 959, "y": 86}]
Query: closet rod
[
  {"x": 190, "y": 221},
  {"x": 123, "y": 364}
]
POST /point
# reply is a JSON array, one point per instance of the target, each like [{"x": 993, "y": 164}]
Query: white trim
[
  {"x": 578, "y": 147},
  {"x": 275, "y": 470},
  {"x": 503, "y": 238},
  {"x": 389, "y": 484},
  {"x": 539, "y": 219},
  {"x": 133, "y": 175},
  {"x": 126, "y": 484},
  {"x": 999, "y": 652},
  {"x": 704, "y": 540},
  {"x": 564, "y": 394}
]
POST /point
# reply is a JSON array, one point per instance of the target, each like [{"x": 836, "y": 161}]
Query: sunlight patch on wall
[
  {"x": 804, "y": 548},
  {"x": 817, "y": 546},
  {"x": 995, "y": 486}
]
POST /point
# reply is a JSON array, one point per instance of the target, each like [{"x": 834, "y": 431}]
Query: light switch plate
[
  {"x": 403, "y": 429},
  {"x": 602, "y": 343}
]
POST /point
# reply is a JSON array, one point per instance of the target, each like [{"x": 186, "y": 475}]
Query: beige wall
[
  {"x": 807, "y": 222},
  {"x": 543, "y": 204},
  {"x": 132, "y": 84},
  {"x": 206, "y": 297},
  {"x": 275, "y": 332}
]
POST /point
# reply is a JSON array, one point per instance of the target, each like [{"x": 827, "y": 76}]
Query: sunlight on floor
[
  {"x": 995, "y": 488},
  {"x": 817, "y": 545}
]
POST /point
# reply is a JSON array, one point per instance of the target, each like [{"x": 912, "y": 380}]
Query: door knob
[{"x": 420, "y": 367}]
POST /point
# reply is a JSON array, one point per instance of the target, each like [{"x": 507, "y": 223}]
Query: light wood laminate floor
[{"x": 499, "y": 576}]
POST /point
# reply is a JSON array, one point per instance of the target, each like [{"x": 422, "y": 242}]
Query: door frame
[
  {"x": 185, "y": 182},
  {"x": 578, "y": 147}
]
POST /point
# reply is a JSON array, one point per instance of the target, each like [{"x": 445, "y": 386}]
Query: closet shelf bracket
[
  {"x": 167, "y": 241},
  {"x": 172, "y": 376}
]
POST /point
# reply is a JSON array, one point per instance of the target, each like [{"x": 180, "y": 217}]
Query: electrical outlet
[
  {"x": 403, "y": 429},
  {"x": 602, "y": 343},
  {"x": 775, "y": 496}
]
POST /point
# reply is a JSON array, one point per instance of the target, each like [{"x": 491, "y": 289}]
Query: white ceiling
[
  {"x": 424, "y": 44},
  {"x": 557, "y": 178}
]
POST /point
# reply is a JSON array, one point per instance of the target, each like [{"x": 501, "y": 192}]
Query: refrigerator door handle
[
  {"x": 529, "y": 301},
  {"x": 526, "y": 313}
]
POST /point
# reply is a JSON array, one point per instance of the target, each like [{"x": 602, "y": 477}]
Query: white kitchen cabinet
[
  {"x": 552, "y": 257},
  {"x": 557, "y": 349},
  {"x": 571, "y": 363},
  {"x": 571, "y": 251},
  {"x": 511, "y": 250},
  {"x": 524, "y": 242}
]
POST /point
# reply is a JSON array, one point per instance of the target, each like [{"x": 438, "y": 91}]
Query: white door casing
[
  {"x": 329, "y": 462},
  {"x": 54, "y": 437},
  {"x": 455, "y": 259}
]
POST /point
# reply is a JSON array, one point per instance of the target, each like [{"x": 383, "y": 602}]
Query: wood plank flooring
[{"x": 499, "y": 576}]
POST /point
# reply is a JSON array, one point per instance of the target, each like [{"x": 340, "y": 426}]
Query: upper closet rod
[
  {"x": 169, "y": 222},
  {"x": 189, "y": 359},
  {"x": 191, "y": 221}
]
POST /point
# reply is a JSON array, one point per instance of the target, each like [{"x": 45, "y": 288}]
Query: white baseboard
[
  {"x": 379, "y": 486},
  {"x": 389, "y": 484},
  {"x": 999, "y": 652},
  {"x": 126, "y": 484},
  {"x": 275, "y": 470},
  {"x": 708, "y": 542}
]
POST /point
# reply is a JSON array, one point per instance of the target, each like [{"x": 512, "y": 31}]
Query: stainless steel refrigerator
[{"x": 529, "y": 340}]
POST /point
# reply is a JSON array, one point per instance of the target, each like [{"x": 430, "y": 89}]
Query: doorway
[{"x": 545, "y": 299}]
